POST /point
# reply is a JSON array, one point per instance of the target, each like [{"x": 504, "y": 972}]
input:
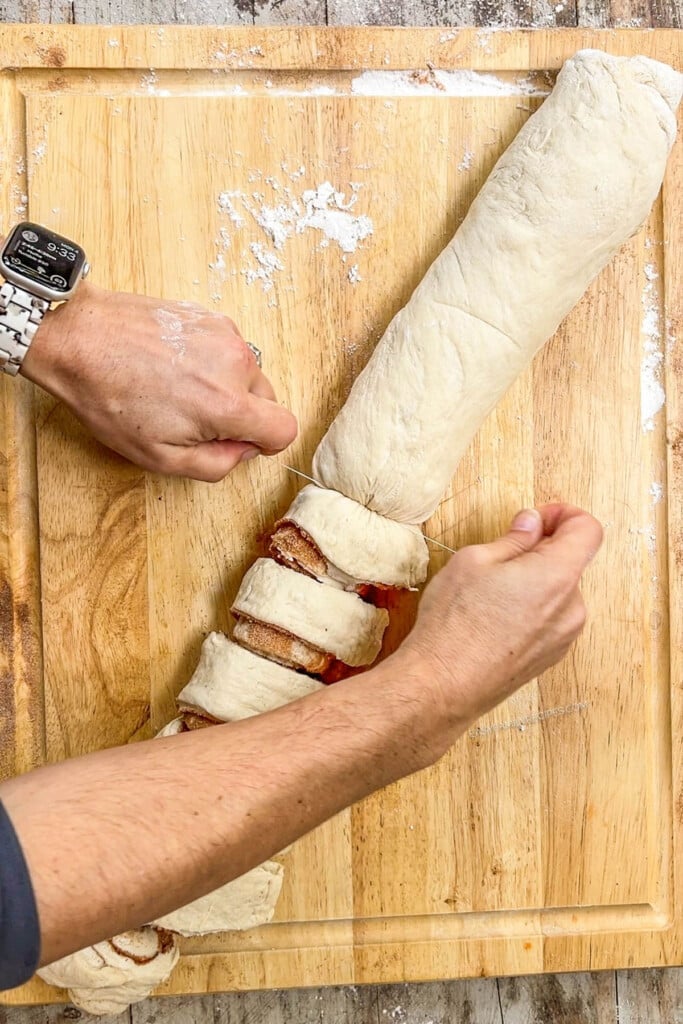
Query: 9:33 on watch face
[{"x": 44, "y": 256}]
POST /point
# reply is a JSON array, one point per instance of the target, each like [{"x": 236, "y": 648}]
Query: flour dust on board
[{"x": 327, "y": 214}]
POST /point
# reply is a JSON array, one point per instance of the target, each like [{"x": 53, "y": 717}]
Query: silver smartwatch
[{"x": 39, "y": 267}]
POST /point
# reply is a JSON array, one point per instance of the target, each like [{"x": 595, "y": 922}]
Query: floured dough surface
[
  {"x": 244, "y": 903},
  {"x": 107, "y": 977},
  {"x": 334, "y": 621},
  {"x": 359, "y": 546},
  {"x": 231, "y": 682},
  {"x": 578, "y": 180}
]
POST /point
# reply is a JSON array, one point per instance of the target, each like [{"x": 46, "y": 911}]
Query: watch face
[{"x": 43, "y": 256}]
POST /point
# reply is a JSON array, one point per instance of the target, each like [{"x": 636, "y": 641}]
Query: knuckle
[
  {"x": 225, "y": 405},
  {"x": 572, "y": 620},
  {"x": 243, "y": 356},
  {"x": 164, "y": 461},
  {"x": 470, "y": 557},
  {"x": 578, "y": 617},
  {"x": 562, "y": 578},
  {"x": 290, "y": 430},
  {"x": 232, "y": 326}
]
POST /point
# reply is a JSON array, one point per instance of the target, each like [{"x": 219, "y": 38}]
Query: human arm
[
  {"x": 122, "y": 836},
  {"x": 170, "y": 385}
]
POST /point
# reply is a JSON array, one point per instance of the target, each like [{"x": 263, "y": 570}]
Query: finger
[
  {"x": 572, "y": 536},
  {"x": 526, "y": 530},
  {"x": 210, "y": 461},
  {"x": 262, "y": 422},
  {"x": 262, "y": 388}
]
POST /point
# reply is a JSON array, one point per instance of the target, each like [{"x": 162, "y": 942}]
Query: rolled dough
[
  {"x": 244, "y": 903},
  {"x": 109, "y": 976},
  {"x": 332, "y": 620},
  {"x": 358, "y": 545},
  {"x": 231, "y": 682},
  {"x": 578, "y": 180}
]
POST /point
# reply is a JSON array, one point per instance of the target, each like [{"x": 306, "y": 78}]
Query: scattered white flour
[
  {"x": 328, "y": 211},
  {"x": 466, "y": 162},
  {"x": 39, "y": 152},
  {"x": 442, "y": 83},
  {"x": 294, "y": 175},
  {"x": 652, "y": 394},
  {"x": 656, "y": 492},
  {"x": 21, "y": 200},
  {"x": 282, "y": 213},
  {"x": 226, "y": 205},
  {"x": 521, "y": 723},
  {"x": 218, "y": 264},
  {"x": 266, "y": 265},
  {"x": 278, "y": 222},
  {"x": 354, "y": 275},
  {"x": 484, "y": 39},
  {"x": 446, "y": 37},
  {"x": 559, "y": 8},
  {"x": 648, "y": 532},
  {"x": 171, "y": 331},
  {"x": 113, "y": 42}
]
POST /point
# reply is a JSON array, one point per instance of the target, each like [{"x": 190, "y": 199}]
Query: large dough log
[{"x": 578, "y": 180}]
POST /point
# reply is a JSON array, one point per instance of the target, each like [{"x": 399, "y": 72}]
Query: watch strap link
[{"x": 20, "y": 317}]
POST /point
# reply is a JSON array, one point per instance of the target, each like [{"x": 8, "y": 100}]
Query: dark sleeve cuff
[{"x": 19, "y": 927}]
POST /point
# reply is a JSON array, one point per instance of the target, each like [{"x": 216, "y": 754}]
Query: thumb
[
  {"x": 526, "y": 530},
  {"x": 211, "y": 460}
]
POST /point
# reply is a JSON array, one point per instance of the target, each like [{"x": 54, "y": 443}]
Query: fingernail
[
  {"x": 250, "y": 453},
  {"x": 526, "y": 520}
]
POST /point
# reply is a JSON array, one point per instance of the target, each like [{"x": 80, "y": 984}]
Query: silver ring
[{"x": 255, "y": 351}]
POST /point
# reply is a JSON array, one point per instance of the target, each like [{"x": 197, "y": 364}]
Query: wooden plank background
[{"x": 622, "y": 997}]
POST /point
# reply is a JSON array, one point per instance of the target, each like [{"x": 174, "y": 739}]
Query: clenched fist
[
  {"x": 169, "y": 385},
  {"x": 499, "y": 614}
]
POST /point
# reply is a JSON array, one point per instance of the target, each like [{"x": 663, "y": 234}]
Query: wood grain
[
  {"x": 482, "y": 865},
  {"x": 22, "y": 710},
  {"x": 566, "y": 999},
  {"x": 650, "y": 997},
  {"x": 443, "y": 13},
  {"x": 56, "y": 1014}
]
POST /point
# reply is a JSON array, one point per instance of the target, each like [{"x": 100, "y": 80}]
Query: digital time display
[{"x": 43, "y": 256}]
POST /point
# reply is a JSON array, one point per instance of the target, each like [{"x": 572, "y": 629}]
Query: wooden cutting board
[{"x": 302, "y": 181}]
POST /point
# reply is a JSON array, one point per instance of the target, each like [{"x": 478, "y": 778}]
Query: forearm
[{"x": 120, "y": 837}]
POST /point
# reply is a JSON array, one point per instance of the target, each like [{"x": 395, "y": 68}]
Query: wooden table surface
[{"x": 622, "y": 997}]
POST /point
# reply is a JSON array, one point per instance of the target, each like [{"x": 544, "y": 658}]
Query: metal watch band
[{"x": 20, "y": 317}]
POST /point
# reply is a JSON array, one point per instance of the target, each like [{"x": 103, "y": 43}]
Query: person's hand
[
  {"x": 499, "y": 614},
  {"x": 169, "y": 385}
]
